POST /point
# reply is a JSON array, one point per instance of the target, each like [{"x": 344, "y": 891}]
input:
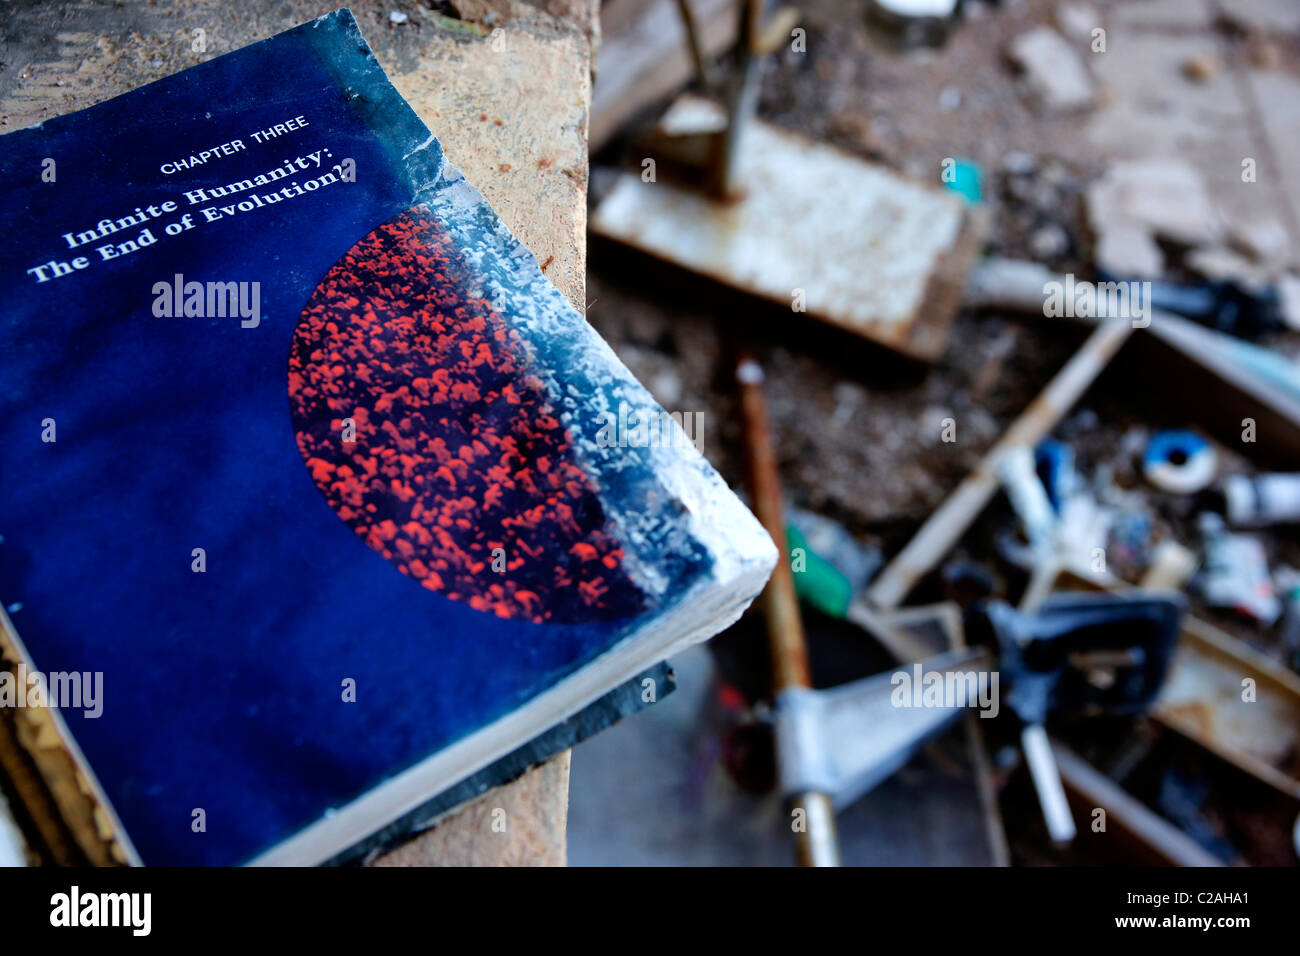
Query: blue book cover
[{"x": 316, "y": 497}]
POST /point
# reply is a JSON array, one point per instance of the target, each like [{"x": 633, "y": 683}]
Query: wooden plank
[
  {"x": 813, "y": 230},
  {"x": 645, "y": 57},
  {"x": 1219, "y": 393},
  {"x": 1202, "y": 700},
  {"x": 512, "y": 114},
  {"x": 1145, "y": 838}
]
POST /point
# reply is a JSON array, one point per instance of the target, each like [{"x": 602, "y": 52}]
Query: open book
[{"x": 317, "y": 498}]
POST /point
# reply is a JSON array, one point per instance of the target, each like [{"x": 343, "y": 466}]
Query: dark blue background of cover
[{"x": 222, "y": 690}]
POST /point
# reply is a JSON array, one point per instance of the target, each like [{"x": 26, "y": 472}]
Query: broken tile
[
  {"x": 1077, "y": 20},
  {"x": 1124, "y": 249},
  {"x": 1049, "y": 241},
  {"x": 1264, "y": 240},
  {"x": 1053, "y": 70},
  {"x": 1166, "y": 197},
  {"x": 1221, "y": 262}
]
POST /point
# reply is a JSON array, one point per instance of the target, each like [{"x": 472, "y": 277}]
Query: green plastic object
[{"x": 817, "y": 582}]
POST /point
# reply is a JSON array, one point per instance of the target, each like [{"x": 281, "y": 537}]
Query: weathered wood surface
[
  {"x": 510, "y": 109},
  {"x": 647, "y": 57}
]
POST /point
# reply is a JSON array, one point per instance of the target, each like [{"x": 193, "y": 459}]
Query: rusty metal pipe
[{"x": 816, "y": 841}]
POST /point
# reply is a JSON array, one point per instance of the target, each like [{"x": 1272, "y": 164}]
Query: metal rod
[
  {"x": 815, "y": 837},
  {"x": 743, "y": 86},
  {"x": 692, "y": 25},
  {"x": 1047, "y": 781},
  {"x": 819, "y": 844}
]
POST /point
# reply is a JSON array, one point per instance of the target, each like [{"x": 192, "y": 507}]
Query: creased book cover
[{"x": 316, "y": 497}]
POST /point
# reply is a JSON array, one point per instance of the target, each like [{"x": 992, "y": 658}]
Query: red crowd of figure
[{"x": 460, "y": 473}]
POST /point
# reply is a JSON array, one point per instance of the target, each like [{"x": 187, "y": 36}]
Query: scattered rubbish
[
  {"x": 1248, "y": 381},
  {"x": 1092, "y": 654},
  {"x": 1167, "y": 197},
  {"x": 1171, "y": 567},
  {"x": 1235, "y": 574},
  {"x": 1049, "y": 241},
  {"x": 1149, "y": 839},
  {"x": 949, "y": 521},
  {"x": 1264, "y": 240},
  {"x": 892, "y": 253},
  {"x": 1054, "y": 71},
  {"x": 1077, "y": 20},
  {"x": 915, "y": 22},
  {"x": 1224, "y": 305},
  {"x": 964, "y": 179},
  {"x": 1028, "y": 497},
  {"x": 1235, "y": 702},
  {"x": 1182, "y": 798},
  {"x": 1287, "y": 580},
  {"x": 1129, "y": 249},
  {"x": 397, "y": 16},
  {"x": 831, "y": 565},
  {"x": 1223, "y": 694},
  {"x": 1167, "y": 260},
  {"x": 1179, "y": 461},
  {"x": 1202, "y": 68},
  {"x": 1225, "y": 264},
  {"x": 1261, "y": 500}
]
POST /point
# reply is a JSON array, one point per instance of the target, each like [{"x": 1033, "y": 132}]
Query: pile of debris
[{"x": 1119, "y": 549}]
